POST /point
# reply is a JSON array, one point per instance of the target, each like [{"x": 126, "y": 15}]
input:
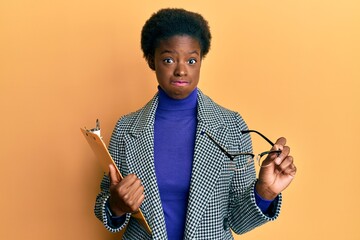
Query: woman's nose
[{"x": 180, "y": 70}]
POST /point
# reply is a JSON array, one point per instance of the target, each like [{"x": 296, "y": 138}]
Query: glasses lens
[
  {"x": 260, "y": 158},
  {"x": 243, "y": 166}
]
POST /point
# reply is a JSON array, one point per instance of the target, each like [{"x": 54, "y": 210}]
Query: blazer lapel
[
  {"x": 208, "y": 161},
  {"x": 139, "y": 150}
]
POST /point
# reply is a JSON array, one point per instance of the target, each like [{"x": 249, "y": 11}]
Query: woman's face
[{"x": 177, "y": 65}]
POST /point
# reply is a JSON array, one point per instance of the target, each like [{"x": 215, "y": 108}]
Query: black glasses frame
[{"x": 232, "y": 156}]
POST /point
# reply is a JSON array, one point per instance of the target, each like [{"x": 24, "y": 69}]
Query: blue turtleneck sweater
[{"x": 174, "y": 141}]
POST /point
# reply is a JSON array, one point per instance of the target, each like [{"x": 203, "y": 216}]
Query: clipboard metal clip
[{"x": 96, "y": 128}]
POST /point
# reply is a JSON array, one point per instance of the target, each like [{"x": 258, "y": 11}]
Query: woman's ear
[{"x": 151, "y": 62}]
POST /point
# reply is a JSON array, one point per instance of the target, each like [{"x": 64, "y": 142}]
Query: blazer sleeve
[
  {"x": 102, "y": 197},
  {"x": 244, "y": 214}
]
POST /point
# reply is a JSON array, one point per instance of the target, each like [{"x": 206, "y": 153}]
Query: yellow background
[{"x": 291, "y": 68}]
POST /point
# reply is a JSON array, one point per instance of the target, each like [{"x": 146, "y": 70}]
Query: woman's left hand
[{"x": 277, "y": 172}]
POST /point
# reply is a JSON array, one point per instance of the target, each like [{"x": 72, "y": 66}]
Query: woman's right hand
[{"x": 126, "y": 195}]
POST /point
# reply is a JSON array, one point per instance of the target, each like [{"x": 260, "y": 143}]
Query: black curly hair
[{"x": 169, "y": 22}]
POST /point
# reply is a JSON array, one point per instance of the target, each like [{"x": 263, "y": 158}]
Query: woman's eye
[
  {"x": 168, "y": 60},
  {"x": 192, "y": 61}
]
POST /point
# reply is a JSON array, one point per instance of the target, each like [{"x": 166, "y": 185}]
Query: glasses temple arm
[
  {"x": 218, "y": 145},
  {"x": 268, "y": 140}
]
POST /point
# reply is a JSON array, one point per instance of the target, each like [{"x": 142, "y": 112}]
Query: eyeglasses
[{"x": 260, "y": 157}]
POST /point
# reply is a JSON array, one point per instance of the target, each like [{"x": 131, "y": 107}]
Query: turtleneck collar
[{"x": 168, "y": 103}]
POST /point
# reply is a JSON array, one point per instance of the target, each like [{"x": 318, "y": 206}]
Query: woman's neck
[{"x": 168, "y": 103}]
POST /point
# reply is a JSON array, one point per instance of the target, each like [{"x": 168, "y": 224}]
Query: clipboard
[{"x": 98, "y": 146}]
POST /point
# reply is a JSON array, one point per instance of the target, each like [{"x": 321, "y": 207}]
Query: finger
[
  {"x": 136, "y": 199},
  {"x": 124, "y": 187},
  {"x": 135, "y": 205},
  {"x": 135, "y": 185},
  {"x": 290, "y": 170},
  {"x": 284, "y": 153},
  {"x": 285, "y": 164},
  {"x": 128, "y": 186},
  {"x": 113, "y": 175},
  {"x": 138, "y": 192},
  {"x": 280, "y": 142},
  {"x": 140, "y": 200},
  {"x": 132, "y": 193}
]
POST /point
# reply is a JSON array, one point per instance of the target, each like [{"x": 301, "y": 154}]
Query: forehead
[{"x": 179, "y": 42}]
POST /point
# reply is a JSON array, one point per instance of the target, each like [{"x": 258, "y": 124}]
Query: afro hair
[{"x": 169, "y": 22}]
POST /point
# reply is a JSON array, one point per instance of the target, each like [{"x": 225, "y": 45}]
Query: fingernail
[{"x": 277, "y": 161}]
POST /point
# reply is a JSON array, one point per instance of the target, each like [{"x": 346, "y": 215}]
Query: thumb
[{"x": 113, "y": 175}]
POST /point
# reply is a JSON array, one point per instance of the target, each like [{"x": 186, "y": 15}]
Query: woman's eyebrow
[
  {"x": 194, "y": 52},
  {"x": 166, "y": 51},
  {"x": 171, "y": 51}
]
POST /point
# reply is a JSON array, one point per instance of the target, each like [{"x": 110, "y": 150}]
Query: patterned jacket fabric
[{"x": 220, "y": 199}]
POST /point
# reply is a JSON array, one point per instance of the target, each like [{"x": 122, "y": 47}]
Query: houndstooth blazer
[{"x": 220, "y": 199}]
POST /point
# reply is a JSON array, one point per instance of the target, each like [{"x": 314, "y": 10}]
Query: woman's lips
[{"x": 180, "y": 83}]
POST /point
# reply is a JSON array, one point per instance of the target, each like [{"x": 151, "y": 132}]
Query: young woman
[{"x": 177, "y": 152}]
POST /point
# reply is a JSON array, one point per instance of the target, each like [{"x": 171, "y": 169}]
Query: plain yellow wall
[{"x": 291, "y": 68}]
